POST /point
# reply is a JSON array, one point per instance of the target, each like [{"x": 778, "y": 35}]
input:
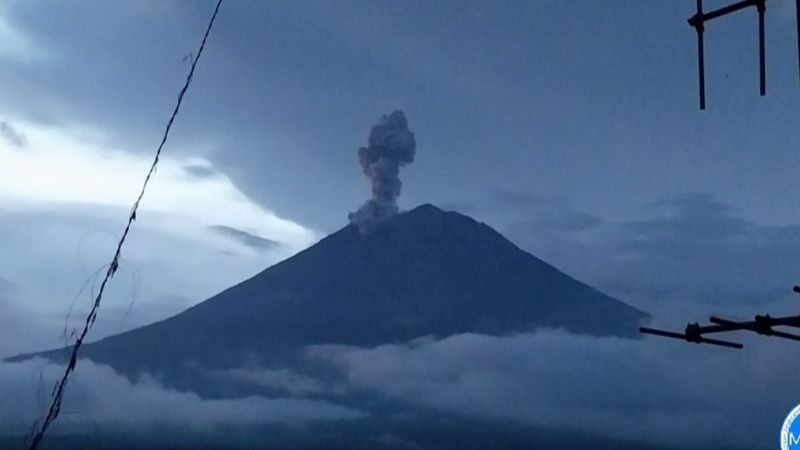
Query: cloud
[
  {"x": 527, "y": 211},
  {"x": 648, "y": 391},
  {"x": 5, "y": 285},
  {"x": 285, "y": 380},
  {"x": 69, "y": 167},
  {"x": 565, "y": 221},
  {"x": 161, "y": 273},
  {"x": 683, "y": 258},
  {"x": 200, "y": 170},
  {"x": 515, "y": 199},
  {"x": 392, "y": 440},
  {"x": 14, "y": 44},
  {"x": 99, "y": 397},
  {"x": 10, "y": 134},
  {"x": 64, "y": 201},
  {"x": 19, "y": 330},
  {"x": 251, "y": 240},
  {"x": 699, "y": 248}
]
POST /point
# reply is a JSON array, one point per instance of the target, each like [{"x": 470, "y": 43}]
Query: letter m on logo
[{"x": 794, "y": 440}]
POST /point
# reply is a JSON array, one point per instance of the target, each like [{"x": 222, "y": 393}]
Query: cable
[{"x": 58, "y": 390}]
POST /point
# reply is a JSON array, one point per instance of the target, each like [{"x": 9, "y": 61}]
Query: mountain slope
[{"x": 423, "y": 272}]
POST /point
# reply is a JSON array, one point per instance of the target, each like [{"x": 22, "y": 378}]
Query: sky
[{"x": 572, "y": 127}]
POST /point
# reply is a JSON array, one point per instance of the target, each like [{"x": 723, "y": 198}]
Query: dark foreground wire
[{"x": 40, "y": 426}]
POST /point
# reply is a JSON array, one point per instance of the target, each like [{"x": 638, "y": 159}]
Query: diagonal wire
[{"x": 58, "y": 390}]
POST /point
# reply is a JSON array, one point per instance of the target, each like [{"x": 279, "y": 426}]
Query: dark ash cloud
[
  {"x": 391, "y": 146},
  {"x": 253, "y": 241}
]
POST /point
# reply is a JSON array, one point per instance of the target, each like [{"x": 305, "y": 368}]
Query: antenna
[
  {"x": 797, "y": 12},
  {"x": 763, "y": 325},
  {"x": 698, "y": 22}
]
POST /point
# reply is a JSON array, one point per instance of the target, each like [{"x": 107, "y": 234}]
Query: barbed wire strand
[{"x": 58, "y": 391}]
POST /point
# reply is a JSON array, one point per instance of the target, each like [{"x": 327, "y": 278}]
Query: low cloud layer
[
  {"x": 655, "y": 393},
  {"x": 99, "y": 398},
  {"x": 650, "y": 392},
  {"x": 646, "y": 391},
  {"x": 284, "y": 380}
]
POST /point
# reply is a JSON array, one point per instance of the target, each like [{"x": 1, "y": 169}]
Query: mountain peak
[
  {"x": 425, "y": 213},
  {"x": 430, "y": 213},
  {"x": 422, "y": 272},
  {"x": 425, "y": 209},
  {"x": 428, "y": 219}
]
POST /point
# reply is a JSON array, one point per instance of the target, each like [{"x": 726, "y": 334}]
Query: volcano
[{"x": 425, "y": 272}]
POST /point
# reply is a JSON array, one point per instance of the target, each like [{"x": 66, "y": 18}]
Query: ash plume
[{"x": 391, "y": 145}]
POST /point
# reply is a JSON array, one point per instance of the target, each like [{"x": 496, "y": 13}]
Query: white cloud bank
[
  {"x": 652, "y": 390},
  {"x": 65, "y": 194},
  {"x": 99, "y": 397},
  {"x": 67, "y": 167}
]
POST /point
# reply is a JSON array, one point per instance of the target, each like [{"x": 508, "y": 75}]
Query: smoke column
[{"x": 391, "y": 145}]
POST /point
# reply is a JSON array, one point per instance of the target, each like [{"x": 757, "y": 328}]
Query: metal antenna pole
[
  {"x": 699, "y": 19},
  {"x": 699, "y": 26},
  {"x": 797, "y": 12},
  {"x": 761, "y": 6}
]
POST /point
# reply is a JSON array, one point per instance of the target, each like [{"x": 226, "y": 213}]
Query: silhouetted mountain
[{"x": 423, "y": 272}]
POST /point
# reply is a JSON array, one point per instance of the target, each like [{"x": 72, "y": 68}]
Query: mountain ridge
[{"x": 423, "y": 272}]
